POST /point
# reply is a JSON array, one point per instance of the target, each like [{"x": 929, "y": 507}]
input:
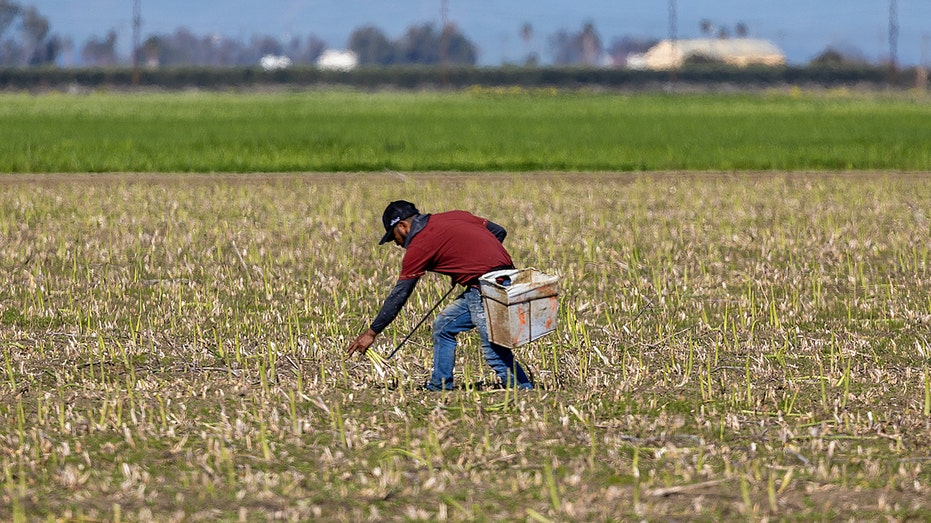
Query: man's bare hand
[{"x": 362, "y": 343}]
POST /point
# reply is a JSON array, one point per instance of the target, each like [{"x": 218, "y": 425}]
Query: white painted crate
[{"x": 520, "y": 305}]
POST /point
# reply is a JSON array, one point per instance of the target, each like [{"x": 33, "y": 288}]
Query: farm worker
[{"x": 463, "y": 247}]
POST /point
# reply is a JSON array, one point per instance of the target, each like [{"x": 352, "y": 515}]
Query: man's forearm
[{"x": 393, "y": 303}]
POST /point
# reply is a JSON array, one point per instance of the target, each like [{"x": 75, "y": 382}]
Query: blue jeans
[{"x": 464, "y": 314}]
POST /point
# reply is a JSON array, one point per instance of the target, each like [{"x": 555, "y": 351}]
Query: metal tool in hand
[{"x": 419, "y": 323}]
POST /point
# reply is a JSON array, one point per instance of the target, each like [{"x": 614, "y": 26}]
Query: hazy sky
[{"x": 801, "y": 28}]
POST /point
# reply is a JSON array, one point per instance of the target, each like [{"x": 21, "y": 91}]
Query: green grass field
[{"x": 478, "y": 130}]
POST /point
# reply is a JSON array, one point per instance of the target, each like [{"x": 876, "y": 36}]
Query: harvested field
[{"x": 731, "y": 347}]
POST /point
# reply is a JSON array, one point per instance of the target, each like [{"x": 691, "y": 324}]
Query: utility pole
[
  {"x": 444, "y": 42},
  {"x": 922, "y": 79},
  {"x": 137, "y": 24},
  {"x": 893, "y": 38},
  {"x": 673, "y": 38}
]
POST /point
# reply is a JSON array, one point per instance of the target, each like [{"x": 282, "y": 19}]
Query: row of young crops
[
  {"x": 475, "y": 130},
  {"x": 730, "y": 346}
]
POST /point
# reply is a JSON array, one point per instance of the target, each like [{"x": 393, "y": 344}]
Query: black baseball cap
[{"x": 395, "y": 212}]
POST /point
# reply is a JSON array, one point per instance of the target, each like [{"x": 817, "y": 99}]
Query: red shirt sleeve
[{"x": 415, "y": 263}]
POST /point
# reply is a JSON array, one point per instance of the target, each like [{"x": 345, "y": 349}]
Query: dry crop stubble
[{"x": 730, "y": 346}]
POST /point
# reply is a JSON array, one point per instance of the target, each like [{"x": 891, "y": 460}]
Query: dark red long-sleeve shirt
[{"x": 455, "y": 243}]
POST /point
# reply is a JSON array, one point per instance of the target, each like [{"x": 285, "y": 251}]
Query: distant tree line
[
  {"x": 183, "y": 48},
  {"x": 421, "y": 44},
  {"x": 36, "y": 44},
  {"x": 26, "y": 39},
  {"x": 510, "y": 79}
]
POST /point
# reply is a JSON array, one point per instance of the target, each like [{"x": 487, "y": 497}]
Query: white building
[
  {"x": 336, "y": 60},
  {"x": 741, "y": 52},
  {"x": 271, "y": 62}
]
